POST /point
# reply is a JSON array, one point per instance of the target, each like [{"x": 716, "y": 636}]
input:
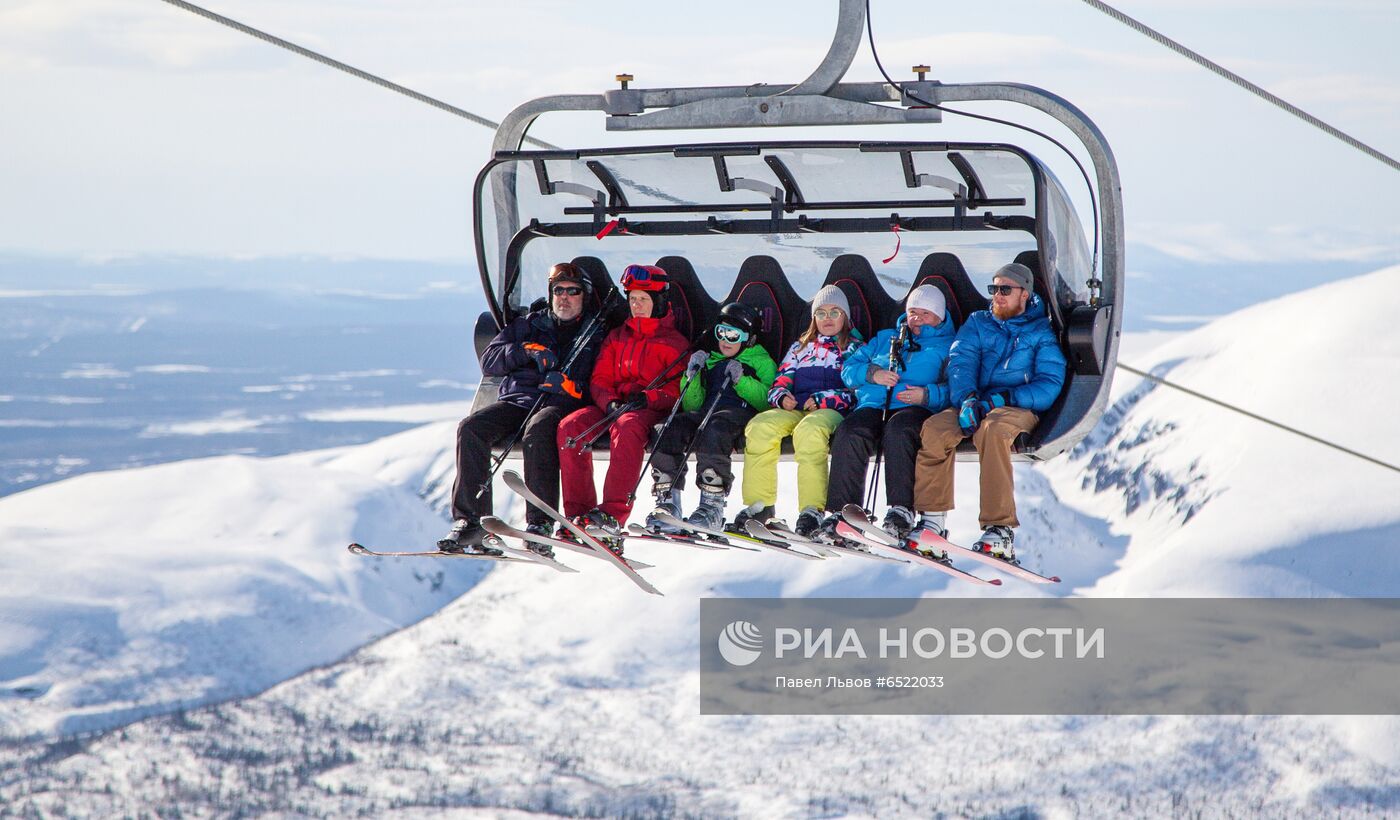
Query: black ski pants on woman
[
  {"x": 478, "y": 433},
  {"x": 713, "y": 449},
  {"x": 854, "y": 444}
]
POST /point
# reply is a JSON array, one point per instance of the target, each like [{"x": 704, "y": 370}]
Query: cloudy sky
[{"x": 131, "y": 126}]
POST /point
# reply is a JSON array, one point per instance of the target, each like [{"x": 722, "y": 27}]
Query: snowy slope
[
  {"x": 1215, "y": 503},
  {"x": 128, "y": 593}
]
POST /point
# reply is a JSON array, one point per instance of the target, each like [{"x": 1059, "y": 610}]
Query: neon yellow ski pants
[{"x": 811, "y": 439}]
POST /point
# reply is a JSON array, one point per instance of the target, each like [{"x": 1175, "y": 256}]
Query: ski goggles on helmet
[
  {"x": 644, "y": 277},
  {"x": 731, "y": 334}
]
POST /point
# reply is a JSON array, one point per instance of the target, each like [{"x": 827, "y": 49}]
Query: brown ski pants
[{"x": 933, "y": 472}]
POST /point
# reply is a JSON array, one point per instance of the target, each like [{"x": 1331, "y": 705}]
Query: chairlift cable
[
  {"x": 1088, "y": 183},
  {"x": 1188, "y": 391},
  {"x": 348, "y": 69},
  {"x": 1241, "y": 82}
]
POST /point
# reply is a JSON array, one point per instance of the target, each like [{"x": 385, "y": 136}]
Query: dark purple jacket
[{"x": 520, "y": 382}]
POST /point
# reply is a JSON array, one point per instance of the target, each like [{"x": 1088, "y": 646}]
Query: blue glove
[
  {"x": 970, "y": 415},
  {"x": 1001, "y": 398}
]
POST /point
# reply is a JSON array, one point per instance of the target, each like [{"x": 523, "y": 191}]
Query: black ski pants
[
  {"x": 478, "y": 433},
  {"x": 854, "y": 443},
  {"x": 713, "y": 449}
]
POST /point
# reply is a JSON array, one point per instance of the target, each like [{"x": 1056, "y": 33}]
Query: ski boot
[
  {"x": 542, "y": 550},
  {"x": 996, "y": 541},
  {"x": 935, "y": 523},
  {"x": 467, "y": 537},
  {"x": 710, "y": 513},
  {"x": 809, "y": 521},
  {"x": 758, "y": 512},
  {"x": 899, "y": 522},
  {"x": 595, "y": 519},
  {"x": 668, "y": 500},
  {"x": 826, "y": 534}
]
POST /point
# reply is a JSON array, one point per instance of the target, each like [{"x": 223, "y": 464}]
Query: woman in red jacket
[{"x": 639, "y": 369}]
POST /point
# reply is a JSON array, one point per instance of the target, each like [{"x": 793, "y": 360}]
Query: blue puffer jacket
[
  {"x": 1019, "y": 355},
  {"x": 925, "y": 367}
]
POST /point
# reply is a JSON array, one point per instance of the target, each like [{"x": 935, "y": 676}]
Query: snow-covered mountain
[
  {"x": 1218, "y": 504},
  {"x": 541, "y": 692}
]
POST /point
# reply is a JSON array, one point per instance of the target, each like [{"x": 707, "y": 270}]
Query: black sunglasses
[
  {"x": 1004, "y": 290},
  {"x": 562, "y": 290}
]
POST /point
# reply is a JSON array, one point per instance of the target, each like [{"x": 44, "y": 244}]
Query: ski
[
  {"x": 775, "y": 545},
  {"x": 637, "y": 532},
  {"x": 517, "y": 484},
  {"x": 845, "y": 530},
  {"x": 782, "y": 531},
  {"x": 992, "y": 561},
  {"x": 501, "y": 529},
  {"x": 363, "y": 550},
  {"x": 548, "y": 540}
]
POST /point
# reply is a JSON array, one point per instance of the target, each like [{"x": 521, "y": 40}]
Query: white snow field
[{"x": 538, "y": 692}]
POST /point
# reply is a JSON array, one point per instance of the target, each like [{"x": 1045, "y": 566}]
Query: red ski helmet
[{"x": 651, "y": 279}]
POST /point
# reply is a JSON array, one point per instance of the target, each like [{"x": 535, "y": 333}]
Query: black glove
[
  {"x": 544, "y": 358},
  {"x": 560, "y": 384}
]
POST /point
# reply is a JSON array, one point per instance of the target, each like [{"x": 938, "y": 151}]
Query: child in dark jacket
[
  {"x": 809, "y": 400},
  {"x": 729, "y": 386}
]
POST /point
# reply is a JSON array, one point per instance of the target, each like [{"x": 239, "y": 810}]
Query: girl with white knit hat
[{"x": 809, "y": 400}]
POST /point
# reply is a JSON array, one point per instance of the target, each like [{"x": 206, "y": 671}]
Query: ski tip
[{"x": 996, "y": 582}]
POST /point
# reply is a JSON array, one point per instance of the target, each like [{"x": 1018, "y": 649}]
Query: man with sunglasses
[
  {"x": 528, "y": 355},
  {"x": 1004, "y": 368}
]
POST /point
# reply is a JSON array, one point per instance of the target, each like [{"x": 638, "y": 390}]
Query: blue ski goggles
[{"x": 731, "y": 334}]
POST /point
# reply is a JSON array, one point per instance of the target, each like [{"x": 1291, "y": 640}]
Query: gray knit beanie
[{"x": 831, "y": 295}]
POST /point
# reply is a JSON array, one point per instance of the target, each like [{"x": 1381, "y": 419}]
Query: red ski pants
[{"x": 628, "y": 438}]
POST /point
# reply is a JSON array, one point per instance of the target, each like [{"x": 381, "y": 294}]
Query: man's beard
[{"x": 1007, "y": 312}]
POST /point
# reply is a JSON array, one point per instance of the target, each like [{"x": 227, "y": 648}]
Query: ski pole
[
  {"x": 591, "y": 434},
  {"x": 704, "y": 420},
  {"x": 670, "y": 417},
  {"x": 585, "y": 335},
  {"x": 896, "y": 364}
]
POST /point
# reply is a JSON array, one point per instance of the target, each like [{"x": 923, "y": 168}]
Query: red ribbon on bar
[{"x": 894, "y": 227}]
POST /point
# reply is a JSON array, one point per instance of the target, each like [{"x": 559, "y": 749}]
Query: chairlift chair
[{"x": 768, "y": 222}]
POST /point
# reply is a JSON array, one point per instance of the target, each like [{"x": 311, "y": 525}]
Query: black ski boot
[
  {"x": 595, "y": 519},
  {"x": 542, "y": 550},
  {"x": 757, "y": 512},
  {"x": 467, "y": 536},
  {"x": 808, "y": 522}
]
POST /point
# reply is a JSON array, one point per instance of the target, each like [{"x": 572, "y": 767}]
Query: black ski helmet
[{"x": 744, "y": 317}]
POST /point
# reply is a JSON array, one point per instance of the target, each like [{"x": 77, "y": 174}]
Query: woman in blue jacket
[{"x": 892, "y": 402}]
